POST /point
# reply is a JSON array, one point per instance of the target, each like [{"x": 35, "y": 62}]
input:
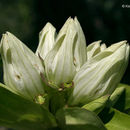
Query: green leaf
[
  {"x": 127, "y": 95},
  {"x": 115, "y": 96},
  {"x": 97, "y": 105},
  {"x": 21, "y": 114},
  {"x": 118, "y": 121},
  {"x": 78, "y": 119},
  {"x": 123, "y": 103}
]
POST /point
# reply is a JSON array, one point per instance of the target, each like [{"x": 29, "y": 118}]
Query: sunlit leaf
[
  {"x": 118, "y": 121},
  {"x": 78, "y": 119}
]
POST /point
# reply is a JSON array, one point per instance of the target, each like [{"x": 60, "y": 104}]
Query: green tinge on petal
[
  {"x": 22, "y": 68},
  {"x": 100, "y": 77},
  {"x": 116, "y": 46},
  {"x": 46, "y": 40},
  {"x": 64, "y": 29},
  {"x": 93, "y": 49},
  {"x": 59, "y": 61},
  {"x": 68, "y": 54},
  {"x": 107, "y": 52},
  {"x": 80, "y": 56}
]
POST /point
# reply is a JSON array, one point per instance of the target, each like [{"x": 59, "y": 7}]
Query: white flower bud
[
  {"x": 68, "y": 54},
  {"x": 22, "y": 68},
  {"x": 59, "y": 63},
  {"x": 100, "y": 75},
  {"x": 46, "y": 40}
]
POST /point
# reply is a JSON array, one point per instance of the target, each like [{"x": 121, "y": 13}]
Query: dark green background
[{"x": 104, "y": 20}]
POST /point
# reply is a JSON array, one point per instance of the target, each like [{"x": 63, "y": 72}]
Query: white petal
[
  {"x": 108, "y": 51},
  {"x": 59, "y": 61},
  {"x": 96, "y": 79},
  {"x": 20, "y": 68},
  {"x": 80, "y": 56},
  {"x": 93, "y": 49},
  {"x": 103, "y": 47},
  {"x": 64, "y": 29},
  {"x": 46, "y": 40}
]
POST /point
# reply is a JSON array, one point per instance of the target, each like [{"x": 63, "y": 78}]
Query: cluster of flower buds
[{"x": 63, "y": 58}]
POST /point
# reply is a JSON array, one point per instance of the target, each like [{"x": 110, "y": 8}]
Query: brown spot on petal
[
  {"x": 74, "y": 61},
  {"x": 44, "y": 79},
  {"x": 18, "y": 76},
  {"x": 36, "y": 66}
]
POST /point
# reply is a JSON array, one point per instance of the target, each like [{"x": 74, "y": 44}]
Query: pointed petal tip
[
  {"x": 69, "y": 19},
  {"x": 116, "y": 46},
  {"x": 48, "y": 24},
  {"x": 103, "y": 46},
  {"x": 100, "y": 41},
  {"x": 96, "y": 43},
  {"x": 122, "y": 42},
  {"x": 47, "y": 27},
  {"x": 75, "y": 18},
  {"x": 7, "y": 33}
]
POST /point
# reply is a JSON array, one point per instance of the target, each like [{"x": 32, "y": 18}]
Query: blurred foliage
[
  {"x": 18, "y": 17},
  {"x": 102, "y": 19}
]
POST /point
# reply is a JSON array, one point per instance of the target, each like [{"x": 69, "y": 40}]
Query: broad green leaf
[
  {"x": 123, "y": 103},
  {"x": 78, "y": 119},
  {"x": 21, "y": 114},
  {"x": 118, "y": 120},
  {"x": 97, "y": 105},
  {"x": 127, "y": 95}
]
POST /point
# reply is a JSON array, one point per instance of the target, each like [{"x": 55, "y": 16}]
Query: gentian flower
[
  {"x": 100, "y": 74},
  {"x": 63, "y": 58},
  {"x": 22, "y": 68}
]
